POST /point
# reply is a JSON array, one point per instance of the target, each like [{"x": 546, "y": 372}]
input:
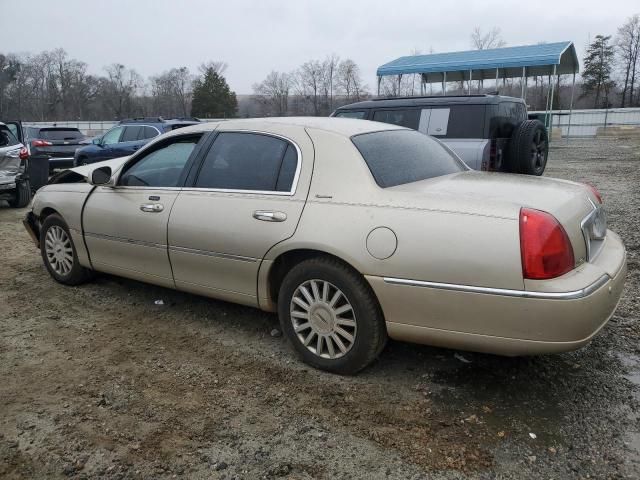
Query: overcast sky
[{"x": 255, "y": 37}]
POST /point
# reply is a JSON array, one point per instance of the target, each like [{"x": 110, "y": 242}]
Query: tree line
[{"x": 52, "y": 86}]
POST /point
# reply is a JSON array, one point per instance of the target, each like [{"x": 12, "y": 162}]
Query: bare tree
[
  {"x": 349, "y": 81},
  {"x": 484, "y": 41},
  {"x": 627, "y": 44},
  {"x": 273, "y": 92},
  {"x": 119, "y": 89},
  {"x": 217, "y": 66},
  {"x": 329, "y": 70},
  {"x": 309, "y": 80}
]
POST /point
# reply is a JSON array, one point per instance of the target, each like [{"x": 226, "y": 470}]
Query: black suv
[
  {"x": 488, "y": 132},
  {"x": 57, "y": 145}
]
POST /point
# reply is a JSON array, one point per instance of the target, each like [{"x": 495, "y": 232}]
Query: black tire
[
  {"x": 22, "y": 196},
  {"x": 76, "y": 274},
  {"x": 528, "y": 148},
  {"x": 370, "y": 331}
]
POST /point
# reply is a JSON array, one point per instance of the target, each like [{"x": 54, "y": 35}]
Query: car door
[
  {"x": 125, "y": 226},
  {"x": 245, "y": 198},
  {"x": 107, "y": 143}
]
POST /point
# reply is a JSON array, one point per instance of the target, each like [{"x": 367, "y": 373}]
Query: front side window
[
  {"x": 161, "y": 167},
  {"x": 360, "y": 114},
  {"x": 249, "y": 161},
  {"x": 409, "y": 117},
  {"x": 112, "y": 136},
  {"x": 396, "y": 157}
]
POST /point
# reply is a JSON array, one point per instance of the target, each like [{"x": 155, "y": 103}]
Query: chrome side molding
[{"x": 584, "y": 292}]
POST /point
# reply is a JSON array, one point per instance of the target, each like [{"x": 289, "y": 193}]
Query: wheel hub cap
[
  {"x": 323, "y": 319},
  {"x": 57, "y": 246}
]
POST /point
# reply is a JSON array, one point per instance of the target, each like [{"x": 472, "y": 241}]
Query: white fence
[
  {"x": 581, "y": 123},
  {"x": 589, "y": 123}
]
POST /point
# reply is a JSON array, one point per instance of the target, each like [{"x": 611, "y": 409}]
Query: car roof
[
  {"x": 430, "y": 100},
  {"x": 343, "y": 126}
]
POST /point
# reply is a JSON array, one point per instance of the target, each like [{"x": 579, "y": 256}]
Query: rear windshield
[
  {"x": 396, "y": 157},
  {"x": 60, "y": 134}
]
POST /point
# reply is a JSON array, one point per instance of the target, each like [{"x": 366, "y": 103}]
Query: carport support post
[
  {"x": 573, "y": 86},
  {"x": 379, "y": 81},
  {"x": 551, "y": 103},
  {"x": 497, "y": 75},
  {"x": 399, "y": 80},
  {"x": 469, "y": 86},
  {"x": 524, "y": 70},
  {"x": 444, "y": 83}
]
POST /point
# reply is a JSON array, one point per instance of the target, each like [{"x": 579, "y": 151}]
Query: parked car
[
  {"x": 55, "y": 144},
  {"x": 353, "y": 231},
  {"x": 127, "y": 137},
  {"x": 14, "y": 179},
  {"x": 488, "y": 132}
]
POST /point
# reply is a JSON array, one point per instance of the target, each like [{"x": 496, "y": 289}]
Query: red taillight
[
  {"x": 544, "y": 246},
  {"x": 41, "y": 143},
  {"x": 595, "y": 192},
  {"x": 24, "y": 153}
]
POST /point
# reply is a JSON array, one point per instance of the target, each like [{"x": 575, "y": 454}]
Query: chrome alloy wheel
[
  {"x": 323, "y": 319},
  {"x": 57, "y": 245}
]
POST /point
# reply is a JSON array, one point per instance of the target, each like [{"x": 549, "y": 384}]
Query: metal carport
[{"x": 544, "y": 59}]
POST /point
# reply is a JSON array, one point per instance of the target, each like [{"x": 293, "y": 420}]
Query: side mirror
[
  {"x": 97, "y": 141},
  {"x": 101, "y": 176}
]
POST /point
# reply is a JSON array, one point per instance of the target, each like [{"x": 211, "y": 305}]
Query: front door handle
[
  {"x": 152, "y": 207},
  {"x": 269, "y": 216}
]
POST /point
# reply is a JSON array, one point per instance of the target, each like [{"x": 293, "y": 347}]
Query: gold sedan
[{"x": 353, "y": 231}]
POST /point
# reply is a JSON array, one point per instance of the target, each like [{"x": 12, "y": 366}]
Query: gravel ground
[{"x": 100, "y": 382}]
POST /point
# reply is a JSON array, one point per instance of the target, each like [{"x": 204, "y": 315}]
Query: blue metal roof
[{"x": 541, "y": 57}]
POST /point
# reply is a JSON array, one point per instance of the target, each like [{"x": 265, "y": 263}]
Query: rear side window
[
  {"x": 131, "y": 133},
  {"x": 405, "y": 118},
  {"x": 60, "y": 134},
  {"x": 249, "y": 161},
  {"x": 360, "y": 114},
  {"x": 7, "y": 139},
  {"x": 465, "y": 121},
  {"x": 148, "y": 132},
  {"x": 396, "y": 157}
]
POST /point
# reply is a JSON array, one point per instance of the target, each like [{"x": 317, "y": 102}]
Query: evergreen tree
[
  {"x": 598, "y": 64},
  {"x": 212, "y": 97}
]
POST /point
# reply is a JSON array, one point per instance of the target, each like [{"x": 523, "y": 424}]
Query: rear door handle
[
  {"x": 152, "y": 207},
  {"x": 269, "y": 216}
]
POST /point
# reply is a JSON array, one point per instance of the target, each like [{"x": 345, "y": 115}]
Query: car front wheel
[
  {"x": 330, "y": 315},
  {"x": 59, "y": 252}
]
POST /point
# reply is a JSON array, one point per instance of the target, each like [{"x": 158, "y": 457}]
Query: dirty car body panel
[{"x": 442, "y": 255}]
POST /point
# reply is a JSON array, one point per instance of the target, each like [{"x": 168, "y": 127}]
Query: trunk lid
[{"x": 503, "y": 195}]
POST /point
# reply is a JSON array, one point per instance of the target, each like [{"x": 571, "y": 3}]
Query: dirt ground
[{"x": 98, "y": 381}]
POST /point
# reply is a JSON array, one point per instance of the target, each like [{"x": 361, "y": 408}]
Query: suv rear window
[
  {"x": 465, "y": 121},
  {"x": 60, "y": 133},
  {"x": 396, "y": 157}
]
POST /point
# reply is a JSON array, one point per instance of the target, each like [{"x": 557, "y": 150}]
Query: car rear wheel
[
  {"x": 59, "y": 252},
  {"x": 528, "y": 148},
  {"x": 330, "y": 315},
  {"x": 22, "y": 196}
]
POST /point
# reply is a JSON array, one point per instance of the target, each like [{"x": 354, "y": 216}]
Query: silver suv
[{"x": 488, "y": 132}]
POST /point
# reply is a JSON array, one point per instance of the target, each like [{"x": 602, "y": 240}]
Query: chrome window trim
[
  {"x": 296, "y": 176},
  {"x": 575, "y": 294}
]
